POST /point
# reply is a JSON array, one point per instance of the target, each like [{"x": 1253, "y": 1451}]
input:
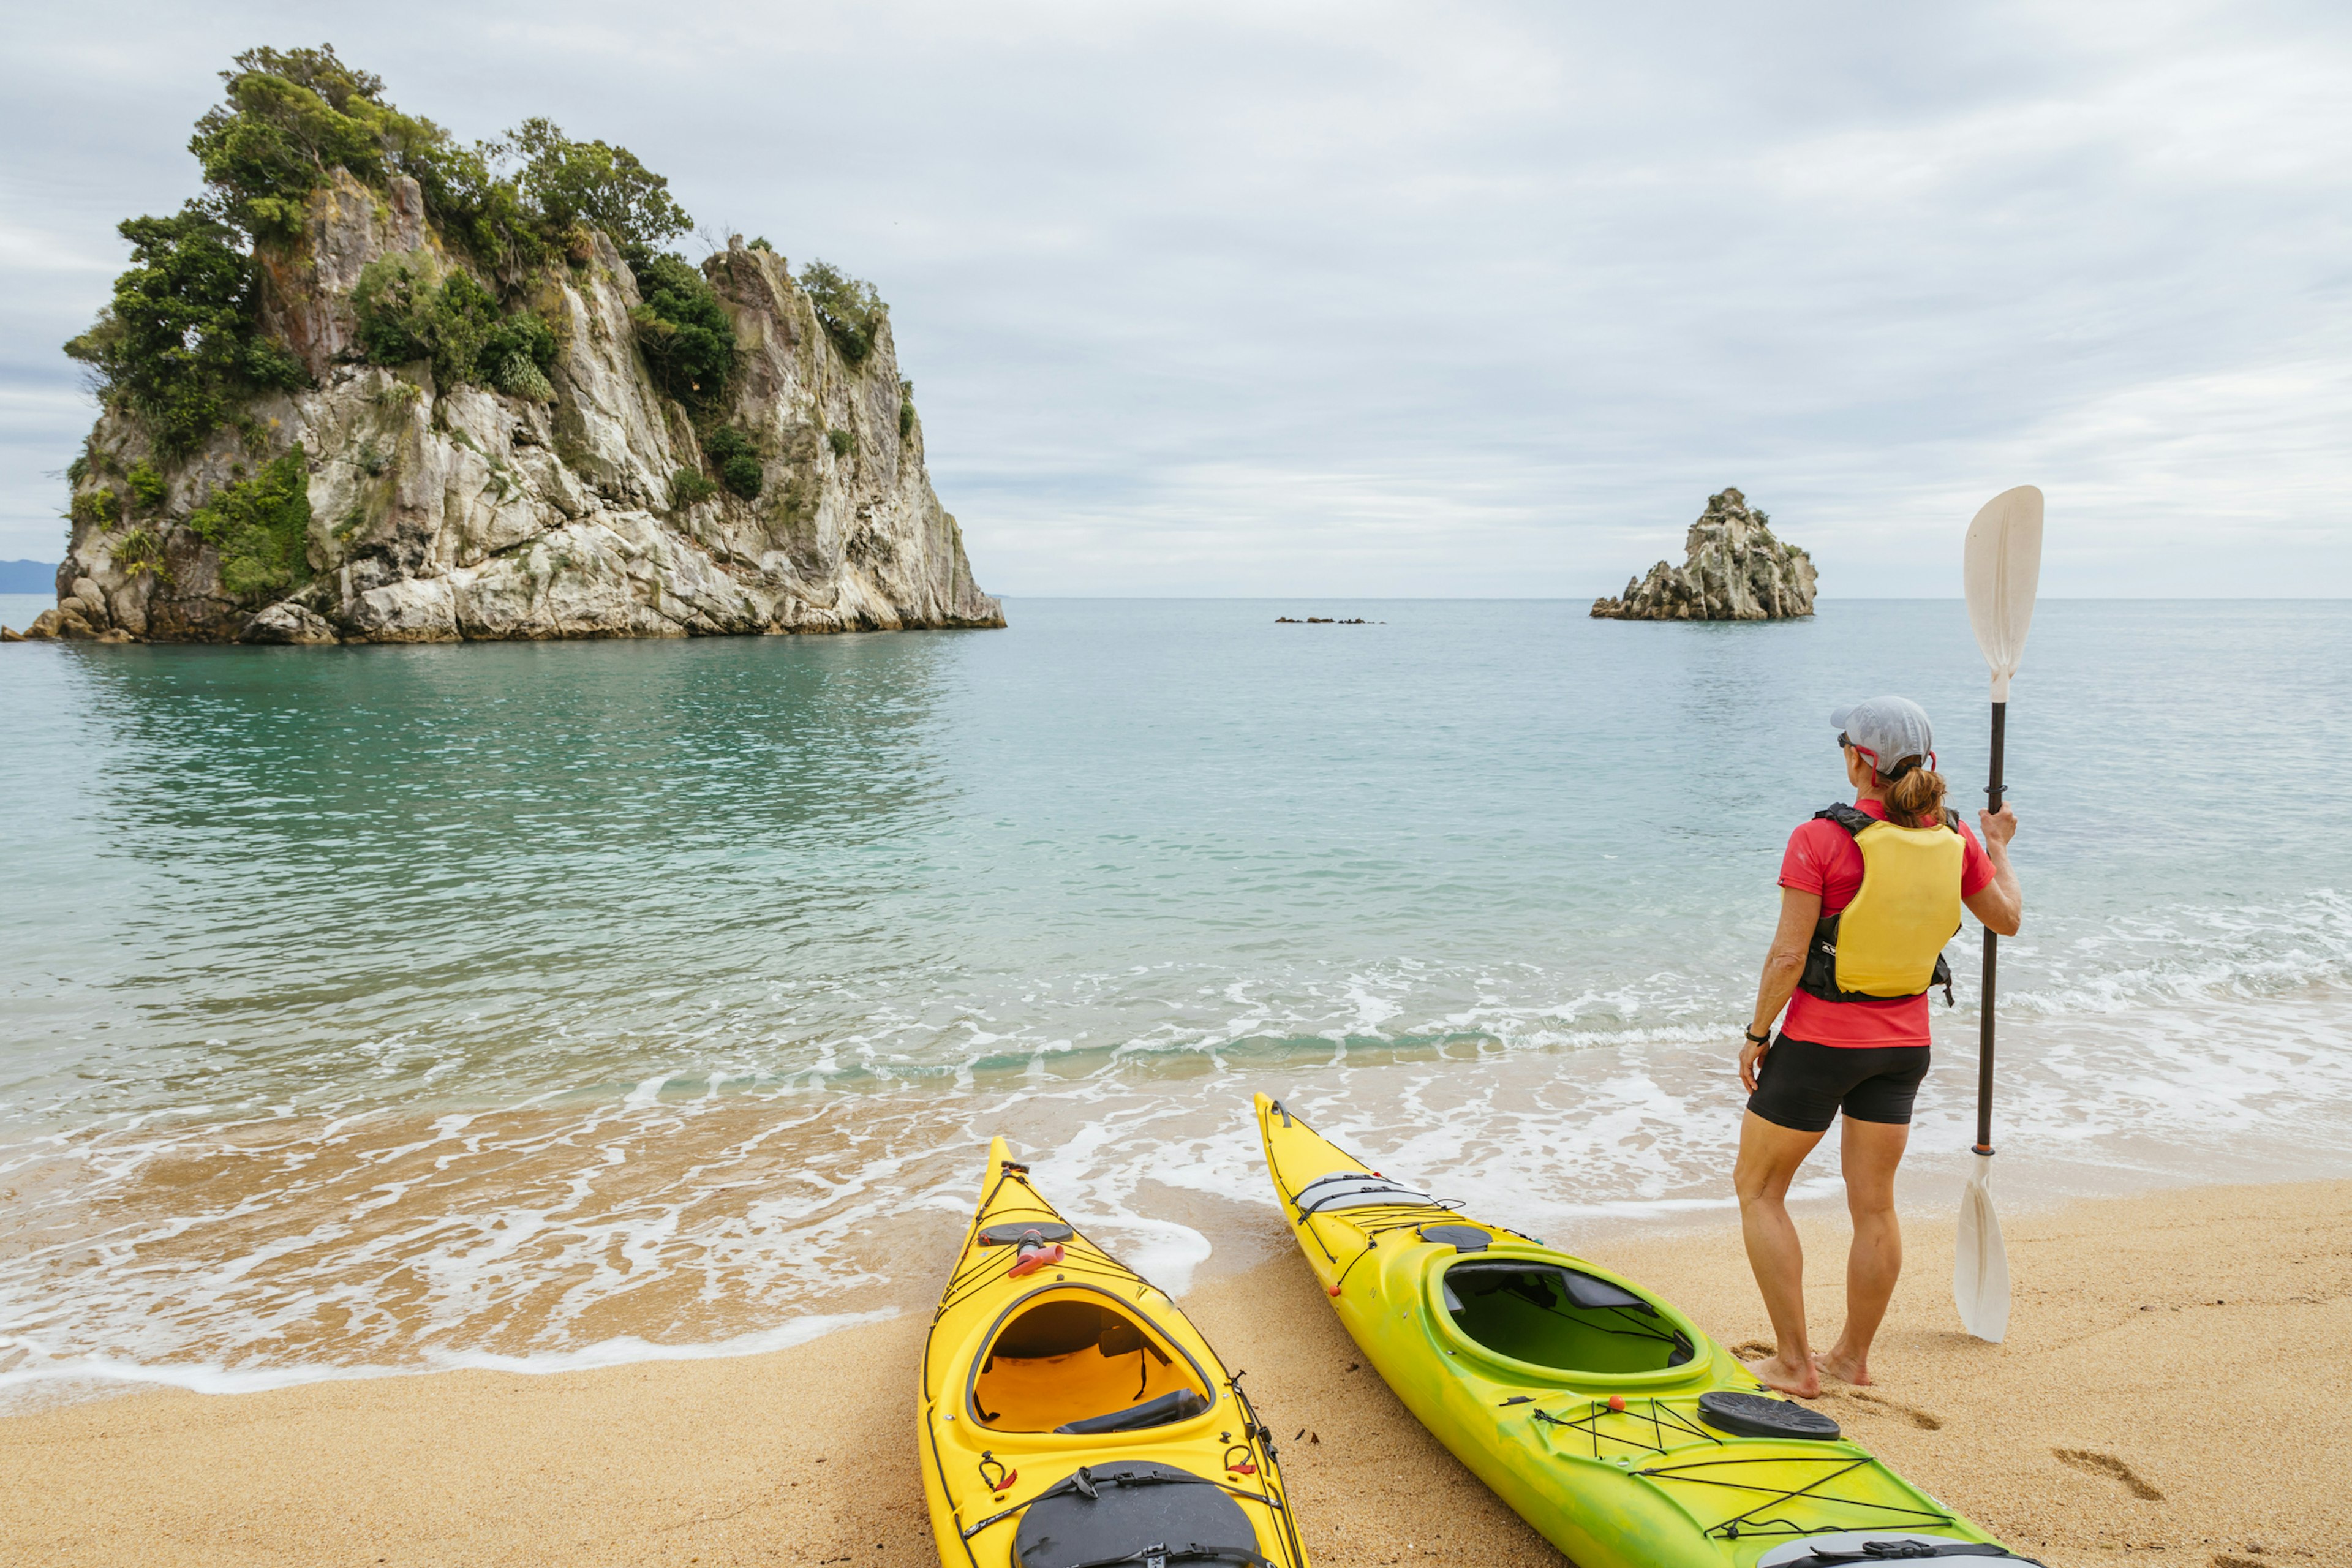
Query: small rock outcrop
[
  {"x": 1735, "y": 570},
  {"x": 412, "y": 511}
]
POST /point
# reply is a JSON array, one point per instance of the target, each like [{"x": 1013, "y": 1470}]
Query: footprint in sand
[
  {"x": 1919, "y": 1418},
  {"x": 2108, "y": 1464},
  {"x": 1749, "y": 1350}
]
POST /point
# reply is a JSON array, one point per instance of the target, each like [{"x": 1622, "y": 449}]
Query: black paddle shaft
[{"x": 1992, "y": 947}]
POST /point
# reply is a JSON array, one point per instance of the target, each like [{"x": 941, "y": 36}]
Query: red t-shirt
[{"x": 1823, "y": 858}]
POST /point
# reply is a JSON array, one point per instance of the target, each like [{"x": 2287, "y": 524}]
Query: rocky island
[
  {"x": 1734, "y": 570},
  {"x": 379, "y": 386}
]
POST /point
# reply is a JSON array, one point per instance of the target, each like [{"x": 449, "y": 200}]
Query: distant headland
[
  {"x": 378, "y": 385},
  {"x": 1735, "y": 570}
]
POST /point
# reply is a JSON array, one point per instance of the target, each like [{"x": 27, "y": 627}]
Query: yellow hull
[
  {"x": 1578, "y": 1397},
  {"x": 1039, "y": 1331}
]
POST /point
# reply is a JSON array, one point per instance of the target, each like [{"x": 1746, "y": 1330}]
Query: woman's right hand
[{"x": 1751, "y": 1056}]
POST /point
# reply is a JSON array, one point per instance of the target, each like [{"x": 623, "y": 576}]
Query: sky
[{"x": 1364, "y": 299}]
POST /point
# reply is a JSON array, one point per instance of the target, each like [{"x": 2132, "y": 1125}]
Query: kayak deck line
[
  {"x": 1730, "y": 1528},
  {"x": 1599, "y": 1409}
]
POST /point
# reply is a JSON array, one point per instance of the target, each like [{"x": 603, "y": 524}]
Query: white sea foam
[
  {"x": 674, "y": 1213},
  {"x": 26, "y": 1366}
]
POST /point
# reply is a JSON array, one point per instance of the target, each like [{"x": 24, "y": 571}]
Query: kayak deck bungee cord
[
  {"x": 1070, "y": 1416},
  {"x": 1599, "y": 1412}
]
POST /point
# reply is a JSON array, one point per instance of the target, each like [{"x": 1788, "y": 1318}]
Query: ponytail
[{"x": 1914, "y": 793}]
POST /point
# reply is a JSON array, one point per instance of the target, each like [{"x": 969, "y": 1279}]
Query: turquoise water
[{"x": 382, "y": 1007}]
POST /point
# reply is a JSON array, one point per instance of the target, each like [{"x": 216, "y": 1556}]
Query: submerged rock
[
  {"x": 1734, "y": 571},
  {"x": 584, "y": 507}
]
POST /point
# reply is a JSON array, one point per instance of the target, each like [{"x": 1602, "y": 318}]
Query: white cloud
[{"x": 1366, "y": 298}]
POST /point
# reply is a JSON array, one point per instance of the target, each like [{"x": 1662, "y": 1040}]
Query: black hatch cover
[
  {"x": 1460, "y": 1237},
  {"x": 1757, "y": 1416},
  {"x": 1008, "y": 1234},
  {"x": 1133, "y": 1510}
]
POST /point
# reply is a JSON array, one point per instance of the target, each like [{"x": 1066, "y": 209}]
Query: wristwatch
[{"x": 1756, "y": 1039}]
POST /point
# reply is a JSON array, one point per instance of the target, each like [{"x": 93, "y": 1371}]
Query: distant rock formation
[
  {"x": 437, "y": 514},
  {"x": 1735, "y": 570},
  {"x": 432, "y": 437}
]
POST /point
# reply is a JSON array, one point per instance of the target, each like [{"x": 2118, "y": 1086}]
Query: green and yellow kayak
[{"x": 1595, "y": 1409}]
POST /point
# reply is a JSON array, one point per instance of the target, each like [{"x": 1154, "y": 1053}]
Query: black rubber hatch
[{"x": 1133, "y": 1510}]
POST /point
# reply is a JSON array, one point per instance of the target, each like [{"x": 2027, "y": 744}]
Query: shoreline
[{"x": 2161, "y": 1341}]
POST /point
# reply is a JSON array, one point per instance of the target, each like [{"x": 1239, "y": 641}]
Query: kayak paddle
[{"x": 2003, "y": 568}]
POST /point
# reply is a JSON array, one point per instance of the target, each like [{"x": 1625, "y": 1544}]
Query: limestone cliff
[
  {"x": 583, "y": 503},
  {"x": 1735, "y": 570}
]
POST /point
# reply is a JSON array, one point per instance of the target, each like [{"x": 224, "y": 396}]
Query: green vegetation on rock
[
  {"x": 688, "y": 338},
  {"x": 261, "y": 527},
  {"x": 739, "y": 465},
  {"x": 851, "y": 310},
  {"x": 906, "y": 409},
  {"x": 291, "y": 116},
  {"x": 573, "y": 185},
  {"x": 101, "y": 507},
  {"x": 148, "y": 488},
  {"x": 687, "y": 487},
  {"x": 178, "y": 345},
  {"x": 407, "y": 313},
  {"x": 844, "y": 442},
  {"x": 140, "y": 551}
]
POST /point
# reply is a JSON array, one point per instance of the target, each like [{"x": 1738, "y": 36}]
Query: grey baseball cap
[{"x": 1889, "y": 729}]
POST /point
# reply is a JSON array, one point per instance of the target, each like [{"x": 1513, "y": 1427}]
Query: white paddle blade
[
  {"x": 1981, "y": 1269},
  {"x": 2003, "y": 570}
]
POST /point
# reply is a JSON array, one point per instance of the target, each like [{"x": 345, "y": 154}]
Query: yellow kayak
[
  {"x": 1595, "y": 1409},
  {"x": 1072, "y": 1417}
]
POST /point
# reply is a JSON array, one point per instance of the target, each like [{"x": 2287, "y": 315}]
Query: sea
[{"x": 376, "y": 1010}]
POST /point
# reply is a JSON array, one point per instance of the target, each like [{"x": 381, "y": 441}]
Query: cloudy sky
[{"x": 1378, "y": 299}]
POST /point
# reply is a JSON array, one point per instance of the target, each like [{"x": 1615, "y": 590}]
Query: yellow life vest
[{"x": 1889, "y": 942}]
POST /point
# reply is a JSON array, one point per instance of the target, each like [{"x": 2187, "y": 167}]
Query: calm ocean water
[{"x": 382, "y": 1008}]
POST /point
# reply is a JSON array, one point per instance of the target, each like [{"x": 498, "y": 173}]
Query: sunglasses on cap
[{"x": 1844, "y": 744}]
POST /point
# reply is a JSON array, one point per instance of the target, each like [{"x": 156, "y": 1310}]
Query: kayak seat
[
  {"x": 1563, "y": 1318},
  {"x": 1181, "y": 1406},
  {"x": 1065, "y": 1360}
]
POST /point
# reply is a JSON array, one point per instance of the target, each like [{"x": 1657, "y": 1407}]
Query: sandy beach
[{"x": 2172, "y": 1393}]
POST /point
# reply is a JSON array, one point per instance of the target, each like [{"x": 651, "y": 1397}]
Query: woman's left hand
[{"x": 1751, "y": 1056}]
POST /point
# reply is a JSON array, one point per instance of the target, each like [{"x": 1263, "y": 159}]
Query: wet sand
[{"x": 2173, "y": 1392}]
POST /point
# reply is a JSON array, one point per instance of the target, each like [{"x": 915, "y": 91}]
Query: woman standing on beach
[{"x": 1869, "y": 895}]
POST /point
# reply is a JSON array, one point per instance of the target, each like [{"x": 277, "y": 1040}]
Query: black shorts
[{"x": 1803, "y": 1086}]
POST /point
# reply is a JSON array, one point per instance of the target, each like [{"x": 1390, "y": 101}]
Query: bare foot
[
  {"x": 1773, "y": 1372},
  {"x": 1845, "y": 1368}
]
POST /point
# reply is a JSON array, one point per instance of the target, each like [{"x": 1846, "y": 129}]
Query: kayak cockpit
[
  {"x": 1075, "y": 1360},
  {"x": 1551, "y": 1315}
]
